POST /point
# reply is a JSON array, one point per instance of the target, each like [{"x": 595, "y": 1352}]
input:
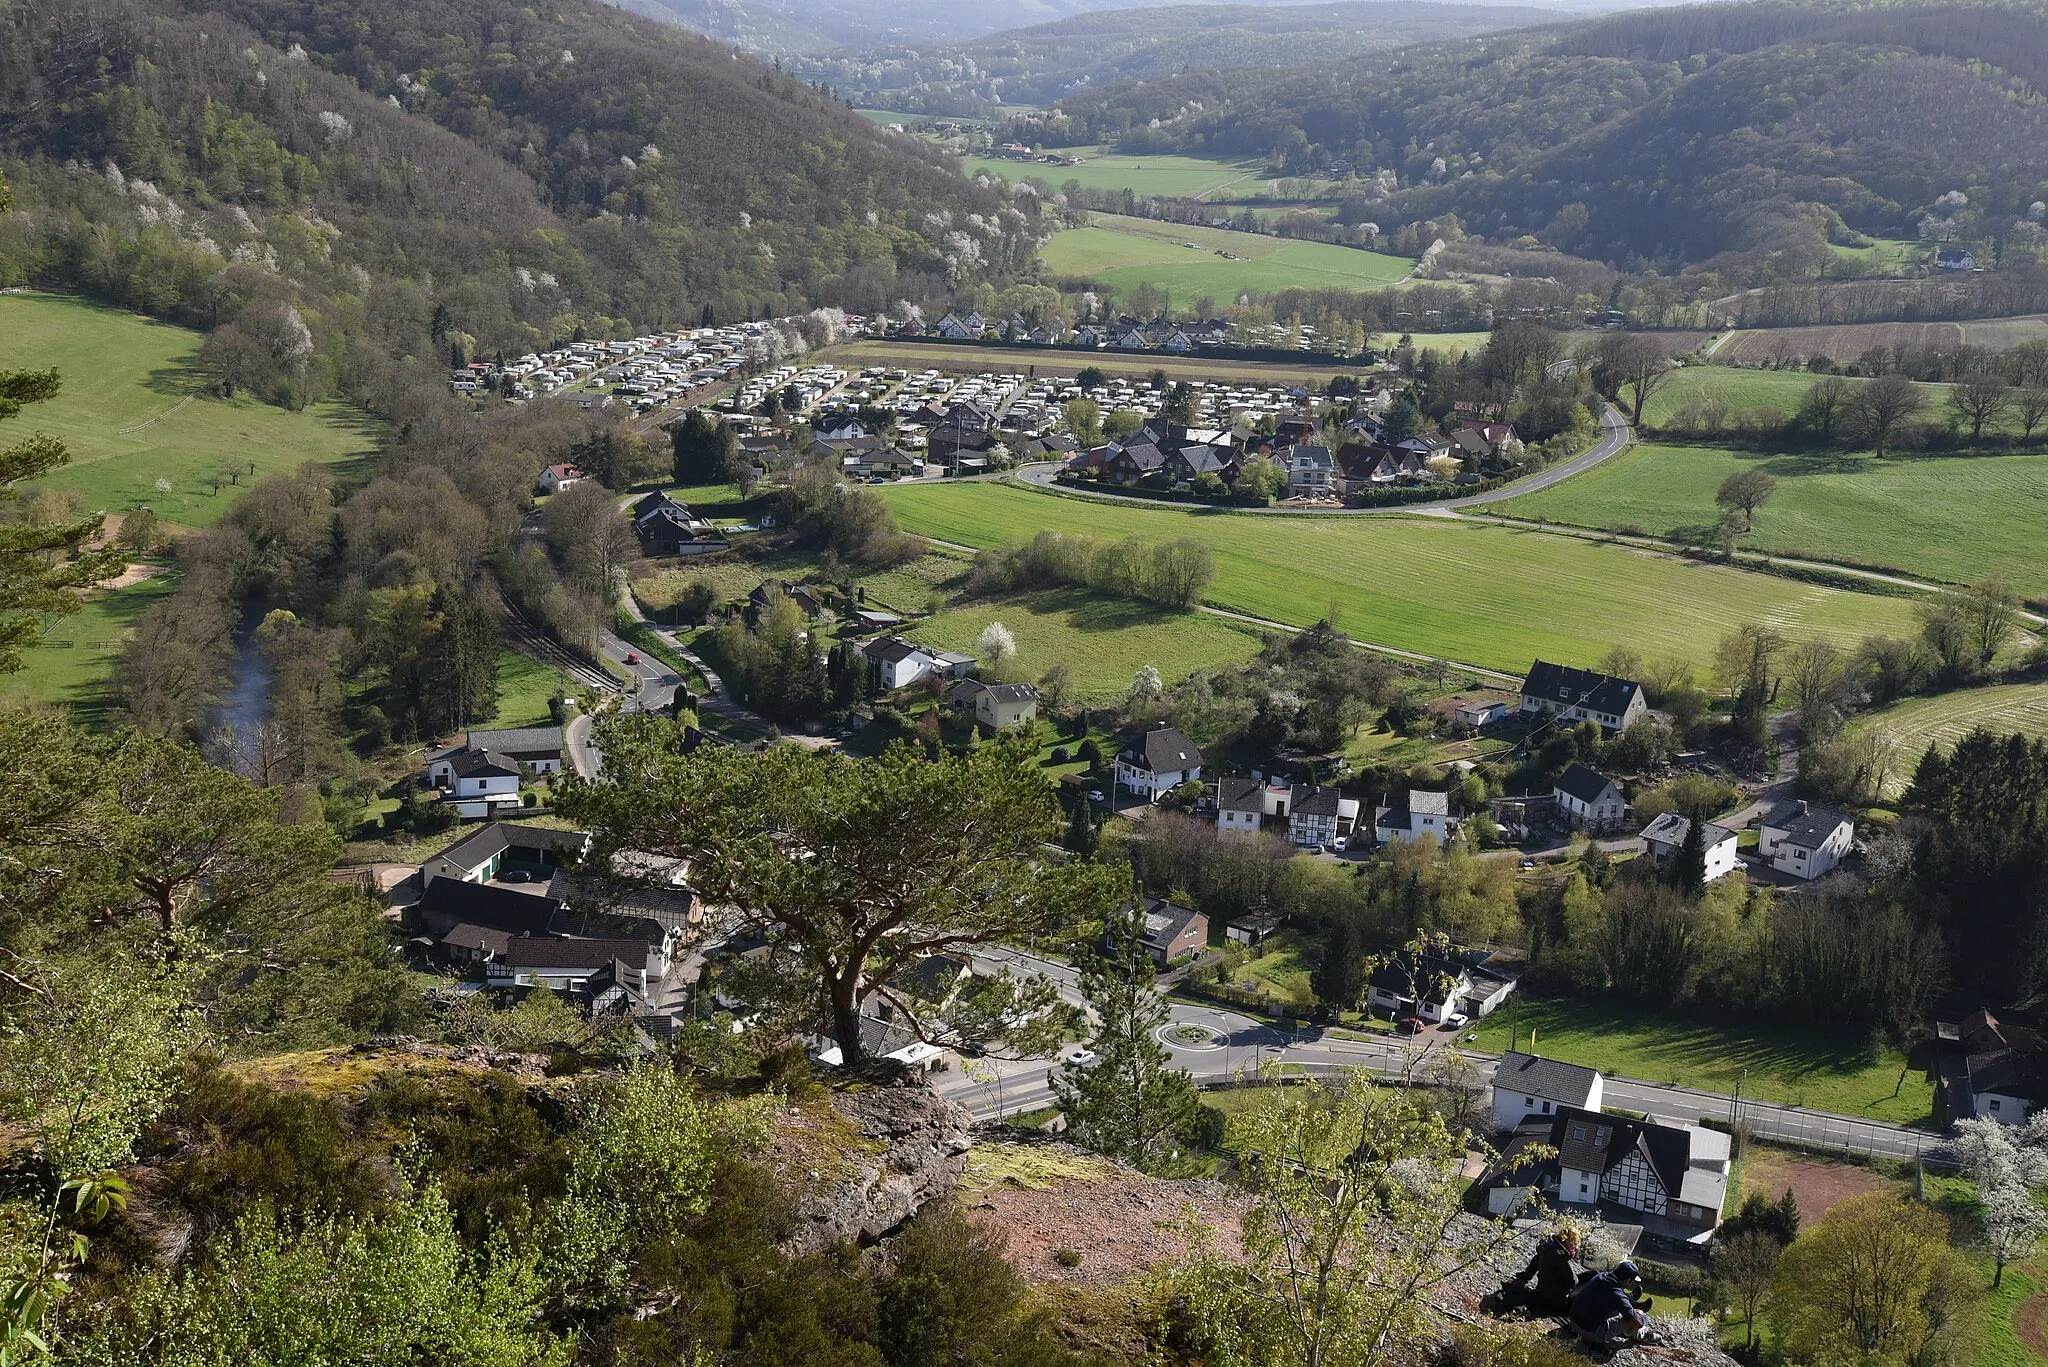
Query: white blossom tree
[
  {"x": 2007, "y": 1165},
  {"x": 997, "y": 645}
]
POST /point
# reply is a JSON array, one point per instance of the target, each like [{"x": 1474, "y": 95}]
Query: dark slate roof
[
  {"x": 1240, "y": 795},
  {"x": 1316, "y": 802},
  {"x": 483, "y": 764},
  {"x": 476, "y": 848},
  {"x": 1165, "y": 921},
  {"x": 1315, "y": 457},
  {"x": 1583, "y": 784},
  {"x": 1205, "y": 459},
  {"x": 892, "y": 649},
  {"x": 1592, "y": 1142},
  {"x": 471, "y": 936},
  {"x": 485, "y": 905},
  {"x": 558, "y": 951},
  {"x": 1805, "y": 826},
  {"x": 1392, "y": 976},
  {"x": 524, "y": 740},
  {"x": 1564, "y": 686},
  {"x": 1566, "y": 1083},
  {"x": 1144, "y": 455},
  {"x": 1017, "y": 692},
  {"x": 1163, "y": 751}
]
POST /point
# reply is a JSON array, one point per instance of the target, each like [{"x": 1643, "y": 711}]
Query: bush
[{"x": 1060, "y": 755}]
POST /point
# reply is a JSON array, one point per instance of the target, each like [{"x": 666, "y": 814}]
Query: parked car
[
  {"x": 1408, "y": 1025},
  {"x": 1455, "y": 1020},
  {"x": 518, "y": 876}
]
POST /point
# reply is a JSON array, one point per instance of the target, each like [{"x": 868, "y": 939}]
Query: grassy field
[
  {"x": 71, "y": 666},
  {"x": 1802, "y": 1067},
  {"x": 1045, "y": 361},
  {"x": 524, "y": 687},
  {"x": 1946, "y": 719},
  {"x": 1183, "y": 177},
  {"x": 1103, "y": 641},
  {"x": 1952, "y": 518},
  {"x": 1455, "y": 343},
  {"x": 1742, "y": 390},
  {"x": 1124, "y": 253},
  {"x": 1481, "y": 595},
  {"x": 132, "y": 414}
]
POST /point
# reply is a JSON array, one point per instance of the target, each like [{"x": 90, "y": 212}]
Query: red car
[
  {"x": 1408, "y": 1025},
  {"x": 632, "y": 657}
]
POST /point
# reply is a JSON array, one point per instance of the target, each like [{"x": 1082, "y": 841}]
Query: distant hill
[
  {"x": 1753, "y": 133},
  {"x": 1037, "y": 65},
  {"x": 511, "y": 174}
]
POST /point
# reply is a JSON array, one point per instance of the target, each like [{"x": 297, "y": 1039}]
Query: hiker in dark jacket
[
  {"x": 1555, "y": 1273},
  {"x": 1604, "y": 1309}
]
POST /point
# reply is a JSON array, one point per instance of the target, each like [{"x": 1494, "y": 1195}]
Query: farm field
[
  {"x": 1047, "y": 361},
  {"x": 1802, "y": 1067},
  {"x": 73, "y": 664},
  {"x": 131, "y": 412},
  {"x": 1957, "y": 519},
  {"x": 1181, "y": 177},
  {"x": 1741, "y": 390},
  {"x": 1480, "y": 595},
  {"x": 1124, "y": 253},
  {"x": 1453, "y": 343},
  {"x": 1946, "y": 718},
  {"x": 1103, "y": 641}
]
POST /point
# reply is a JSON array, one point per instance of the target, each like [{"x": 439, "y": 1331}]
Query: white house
[
  {"x": 1006, "y": 705},
  {"x": 1582, "y": 695},
  {"x": 479, "y": 856},
  {"x": 1667, "y": 833},
  {"x": 1481, "y": 712},
  {"x": 539, "y": 748},
  {"x": 1525, "y": 1086},
  {"x": 482, "y": 784},
  {"x": 1803, "y": 840},
  {"x": 1158, "y": 763},
  {"x": 1426, "y": 986},
  {"x": 1310, "y": 471},
  {"x": 1243, "y": 804},
  {"x": 1590, "y": 801},
  {"x": 556, "y": 478},
  {"x": 1673, "y": 1179},
  {"x": 899, "y": 663},
  {"x": 1421, "y": 815}
]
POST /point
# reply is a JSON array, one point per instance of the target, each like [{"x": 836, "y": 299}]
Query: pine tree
[
  {"x": 1340, "y": 977},
  {"x": 1689, "y": 865},
  {"x": 1131, "y": 1103}
]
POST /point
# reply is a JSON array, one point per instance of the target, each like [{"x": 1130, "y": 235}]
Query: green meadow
[
  {"x": 1123, "y": 253},
  {"x": 1484, "y": 595},
  {"x": 75, "y": 658},
  {"x": 1189, "y": 177},
  {"x": 1956, "y": 518},
  {"x": 1945, "y": 719},
  {"x": 140, "y": 430},
  {"x": 1102, "y": 641}
]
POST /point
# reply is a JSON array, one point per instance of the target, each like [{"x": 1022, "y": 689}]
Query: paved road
[
  {"x": 1614, "y": 437},
  {"x": 1216, "y": 1045}
]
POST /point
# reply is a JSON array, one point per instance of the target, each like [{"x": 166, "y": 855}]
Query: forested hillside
[
  {"x": 1654, "y": 138},
  {"x": 1039, "y": 64}
]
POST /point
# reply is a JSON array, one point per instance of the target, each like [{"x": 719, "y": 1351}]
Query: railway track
[{"x": 545, "y": 648}]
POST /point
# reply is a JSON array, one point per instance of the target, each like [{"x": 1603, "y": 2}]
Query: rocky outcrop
[{"x": 903, "y": 1146}]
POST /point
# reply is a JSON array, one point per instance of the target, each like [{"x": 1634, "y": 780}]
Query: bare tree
[
  {"x": 1743, "y": 1268},
  {"x": 1882, "y": 406},
  {"x": 1824, "y": 407},
  {"x": 1632, "y": 361},
  {"x": 1991, "y": 614},
  {"x": 1814, "y": 670},
  {"x": 1746, "y": 491},
  {"x": 1980, "y": 398},
  {"x": 2030, "y": 406}
]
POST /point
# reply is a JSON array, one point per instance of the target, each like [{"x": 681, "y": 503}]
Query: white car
[
  {"x": 1079, "y": 1056},
  {"x": 1456, "y": 1020}
]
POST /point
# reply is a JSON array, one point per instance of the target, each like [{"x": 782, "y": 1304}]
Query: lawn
[
  {"x": 524, "y": 687},
  {"x": 1283, "y": 971},
  {"x": 1181, "y": 177},
  {"x": 1947, "y": 718},
  {"x": 1102, "y": 641},
  {"x": 1124, "y": 253},
  {"x": 77, "y": 652},
  {"x": 1801, "y": 1067},
  {"x": 1952, "y": 518},
  {"x": 1454, "y": 343},
  {"x": 133, "y": 414},
  {"x": 1481, "y": 595}
]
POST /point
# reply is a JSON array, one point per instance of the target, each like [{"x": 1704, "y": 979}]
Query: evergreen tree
[
  {"x": 1339, "y": 979},
  {"x": 1688, "y": 868},
  {"x": 706, "y": 452},
  {"x": 38, "y": 570},
  {"x": 1131, "y": 1103},
  {"x": 1082, "y": 834}
]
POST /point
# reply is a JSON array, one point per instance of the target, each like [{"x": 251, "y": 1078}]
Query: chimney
[{"x": 1802, "y": 806}]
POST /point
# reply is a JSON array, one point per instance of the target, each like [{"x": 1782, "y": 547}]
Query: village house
[
  {"x": 1982, "y": 1074},
  {"x": 1253, "y": 927},
  {"x": 1417, "y": 815},
  {"x": 899, "y": 663},
  {"x": 1320, "y": 817},
  {"x": 481, "y": 784},
  {"x": 1433, "y": 988},
  {"x": 1590, "y": 801},
  {"x": 539, "y": 748},
  {"x": 1526, "y": 1087},
  {"x": 1002, "y": 706},
  {"x": 1157, "y": 763},
  {"x": 1666, "y": 836},
  {"x": 1582, "y": 695},
  {"x": 1803, "y": 840},
  {"x": 666, "y": 526},
  {"x": 768, "y": 591},
  {"x": 555, "y": 478},
  {"x": 1310, "y": 472},
  {"x": 1244, "y": 804},
  {"x": 505, "y": 847},
  {"x": 1672, "y": 1180},
  {"x": 1173, "y": 932}
]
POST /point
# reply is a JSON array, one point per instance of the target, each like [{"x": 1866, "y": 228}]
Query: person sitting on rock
[
  {"x": 1604, "y": 1307},
  {"x": 1554, "y": 1270}
]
